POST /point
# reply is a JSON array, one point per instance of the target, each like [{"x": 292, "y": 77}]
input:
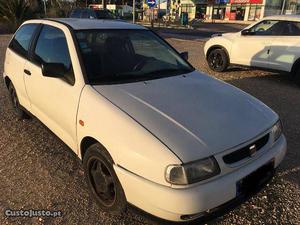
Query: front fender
[
  {"x": 130, "y": 145},
  {"x": 218, "y": 42}
]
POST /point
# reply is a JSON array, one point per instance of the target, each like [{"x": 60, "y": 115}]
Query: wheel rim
[
  {"x": 102, "y": 182},
  {"x": 216, "y": 60}
]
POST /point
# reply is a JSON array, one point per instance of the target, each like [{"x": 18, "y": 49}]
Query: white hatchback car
[
  {"x": 272, "y": 43},
  {"x": 151, "y": 130}
]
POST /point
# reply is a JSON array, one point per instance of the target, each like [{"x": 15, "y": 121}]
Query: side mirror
[
  {"x": 184, "y": 55},
  {"x": 56, "y": 70},
  {"x": 246, "y": 32}
]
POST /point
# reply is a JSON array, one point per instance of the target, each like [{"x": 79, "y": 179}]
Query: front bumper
[{"x": 172, "y": 203}]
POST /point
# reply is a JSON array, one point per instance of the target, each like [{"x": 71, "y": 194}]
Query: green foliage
[
  {"x": 59, "y": 8},
  {"x": 14, "y": 12}
]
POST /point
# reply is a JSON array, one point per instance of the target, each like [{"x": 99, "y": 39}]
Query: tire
[
  {"x": 104, "y": 185},
  {"x": 19, "y": 112},
  {"x": 296, "y": 75},
  {"x": 218, "y": 60}
]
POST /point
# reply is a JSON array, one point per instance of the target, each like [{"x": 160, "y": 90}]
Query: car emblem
[{"x": 252, "y": 150}]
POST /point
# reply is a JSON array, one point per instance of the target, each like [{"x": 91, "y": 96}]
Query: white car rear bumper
[{"x": 171, "y": 204}]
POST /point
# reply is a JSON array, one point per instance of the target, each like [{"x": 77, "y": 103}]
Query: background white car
[{"x": 272, "y": 43}]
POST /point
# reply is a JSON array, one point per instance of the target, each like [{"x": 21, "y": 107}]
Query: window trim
[
  {"x": 77, "y": 48},
  {"x": 33, "y": 56},
  {"x": 26, "y": 56}
]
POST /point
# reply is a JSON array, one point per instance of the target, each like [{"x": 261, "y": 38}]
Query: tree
[
  {"x": 59, "y": 8},
  {"x": 15, "y": 12}
]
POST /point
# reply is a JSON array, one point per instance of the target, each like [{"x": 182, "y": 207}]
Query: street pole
[
  {"x": 133, "y": 11},
  {"x": 283, "y": 6},
  {"x": 45, "y": 8},
  {"x": 104, "y": 4},
  {"x": 152, "y": 17},
  {"x": 158, "y": 13}
]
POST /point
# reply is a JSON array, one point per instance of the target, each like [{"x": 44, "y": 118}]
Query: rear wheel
[
  {"x": 218, "y": 60},
  {"x": 19, "y": 112},
  {"x": 102, "y": 180}
]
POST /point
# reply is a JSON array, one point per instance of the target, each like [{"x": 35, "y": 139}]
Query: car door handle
[{"x": 27, "y": 72}]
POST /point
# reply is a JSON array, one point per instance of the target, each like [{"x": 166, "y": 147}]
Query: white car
[
  {"x": 272, "y": 43},
  {"x": 150, "y": 129}
]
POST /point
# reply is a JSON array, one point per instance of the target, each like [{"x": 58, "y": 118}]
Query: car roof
[
  {"x": 90, "y": 24},
  {"x": 284, "y": 17}
]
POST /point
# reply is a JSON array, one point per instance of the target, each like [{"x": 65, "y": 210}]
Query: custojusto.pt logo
[{"x": 32, "y": 213}]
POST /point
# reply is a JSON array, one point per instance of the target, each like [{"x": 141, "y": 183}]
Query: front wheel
[
  {"x": 218, "y": 60},
  {"x": 102, "y": 180},
  {"x": 296, "y": 75}
]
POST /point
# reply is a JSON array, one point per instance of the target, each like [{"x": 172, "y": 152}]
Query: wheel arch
[
  {"x": 7, "y": 81},
  {"x": 217, "y": 47},
  {"x": 295, "y": 65},
  {"x": 88, "y": 141}
]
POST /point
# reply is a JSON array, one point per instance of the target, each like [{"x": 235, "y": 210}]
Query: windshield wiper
[
  {"x": 132, "y": 76},
  {"x": 169, "y": 71}
]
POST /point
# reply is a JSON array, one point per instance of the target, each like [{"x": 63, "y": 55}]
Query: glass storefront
[
  {"x": 242, "y": 10},
  {"x": 219, "y": 11},
  {"x": 200, "y": 11},
  {"x": 292, "y": 7},
  {"x": 237, "y": 11},
  {"x": 276, "y": 7},
  {"x": 254, "y": 12}
]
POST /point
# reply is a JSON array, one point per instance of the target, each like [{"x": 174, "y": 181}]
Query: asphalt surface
[
  {"x": 38, "y": 171},
  {"x": 203, "y": 32}
]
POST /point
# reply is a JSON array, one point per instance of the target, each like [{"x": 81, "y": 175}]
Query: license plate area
[{"x": 256, "y": 180}]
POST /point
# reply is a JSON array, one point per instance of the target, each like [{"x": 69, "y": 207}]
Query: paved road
[
  {"x": 203, "y": 32},
  {"x": 38, "y": 171}
]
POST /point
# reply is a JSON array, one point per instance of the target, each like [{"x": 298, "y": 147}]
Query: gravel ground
[{"x": 38, "y": 171}]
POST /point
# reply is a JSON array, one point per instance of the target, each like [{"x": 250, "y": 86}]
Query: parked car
[
  {"x": 150, "y": 129},
  {"x": 272, "y": 43},
  {"x": 89, "y": 13}
]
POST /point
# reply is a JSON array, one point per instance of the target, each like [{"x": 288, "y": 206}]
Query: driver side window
[
  {"x": 267, "y": 28},
  {"x": 52, "y": 47}
]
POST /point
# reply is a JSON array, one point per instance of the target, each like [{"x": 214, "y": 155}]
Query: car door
[
  {"x": 16, "y": 56},
  {"x": 252, "y": 48},
  {"x": 285, "y": 49},
  {"x": 55, "y": 100}
]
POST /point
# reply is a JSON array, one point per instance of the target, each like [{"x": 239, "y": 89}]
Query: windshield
[
  {"x": 127, "y": 56},
  {"x": 104, "y": 14}
]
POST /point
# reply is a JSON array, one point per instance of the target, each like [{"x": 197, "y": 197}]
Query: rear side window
[
  {"x": 84, "y": 14},
  {"x": 291, "y": 29},
  {"x": 22, "y": 39},
  {"x": 52, "y": 47},
  {"x": 75, "y": 13}
]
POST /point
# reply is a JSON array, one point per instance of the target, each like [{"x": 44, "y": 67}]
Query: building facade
[{"x": 241, "y": 10}]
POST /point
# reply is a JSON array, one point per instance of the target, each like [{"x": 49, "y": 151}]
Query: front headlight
[
  {"x": 277, "y": 130},
  {"x": 192, "y": 172}
]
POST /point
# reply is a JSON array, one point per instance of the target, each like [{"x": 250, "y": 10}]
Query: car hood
[
  {"x": 195, "y": 115},
  {"x": 231, "y": 36}
]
